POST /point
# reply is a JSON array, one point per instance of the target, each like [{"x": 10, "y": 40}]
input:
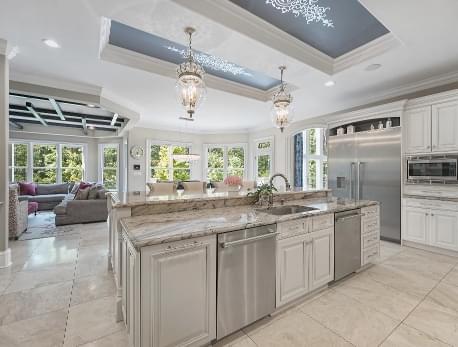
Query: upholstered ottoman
[{"x": 32, "y": 207}]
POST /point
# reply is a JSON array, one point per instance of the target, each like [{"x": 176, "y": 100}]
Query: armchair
[{"x": 18, "y": 213}]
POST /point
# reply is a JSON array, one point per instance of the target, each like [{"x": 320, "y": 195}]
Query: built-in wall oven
[{"x": 432, "y": 169}]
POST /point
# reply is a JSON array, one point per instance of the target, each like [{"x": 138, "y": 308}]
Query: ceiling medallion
[
  {"x": 282, "y": 110},
  {"x": 305, "y": 8},
  {"x": 190, "y": 85},
  {"x": 212, "y": 62}
]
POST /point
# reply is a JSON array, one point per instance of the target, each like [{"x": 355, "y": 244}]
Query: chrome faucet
[{"x": 288, "y": 186}]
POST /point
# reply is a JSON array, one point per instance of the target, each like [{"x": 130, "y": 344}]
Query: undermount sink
[{"x": 285, "y": 210}]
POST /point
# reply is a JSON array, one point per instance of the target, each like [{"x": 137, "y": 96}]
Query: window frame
[
  {"x": 12, "y": 167},
  {"x": 319, "y": 157},
  {"x": 170, "y": 169},
  {"x": 261, "y": 152},
  {"x": 102, "y": 167},
  {"x": 225, "y": 147},
  {"x": 59, "y": 144}
]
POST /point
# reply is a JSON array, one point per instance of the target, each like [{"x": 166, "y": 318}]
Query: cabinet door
[
  {"x": 178, "y": 292},
  {"x": 322, "y": 265},
  {"x": 131, "y": 297},
  {"x": 417, "y": 130},
  {"x": 292, "y": 269},
  {"x": 416, "y": 224},
  {"x": 123, "y": 277},
  {"x": 444, "y": 229},
  {"x": 445, "y": 127}
]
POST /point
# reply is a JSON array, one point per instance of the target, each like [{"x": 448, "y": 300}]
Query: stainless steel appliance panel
[
  {"x": 342, "y": 165},
  {"x": 347, "y": 243},
  {"x": 432, "y": 168},
  {"x": 379, "y": 177},
  {"x": 246, "y": 277}
]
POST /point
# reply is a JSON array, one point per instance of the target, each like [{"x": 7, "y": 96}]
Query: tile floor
[{"x": 59, "y": 293}]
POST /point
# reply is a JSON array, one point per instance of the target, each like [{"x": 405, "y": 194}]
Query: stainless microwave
[{"x": 432, "y": 169}]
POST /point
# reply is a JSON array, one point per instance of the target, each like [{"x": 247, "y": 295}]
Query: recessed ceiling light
[
  {"x": 51, "y": 43},
  {"x": 373, "y": 67},
  {"x": 330, "y": 83},
  {"x": 91, "y": 105}
]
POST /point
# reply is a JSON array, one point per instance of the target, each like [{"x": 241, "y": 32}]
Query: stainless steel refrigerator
[{"x": 367, "y": 166}]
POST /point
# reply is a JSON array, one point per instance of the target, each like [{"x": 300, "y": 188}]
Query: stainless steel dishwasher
[
  {"x": 347, "y": 243},
  {"x": 246, "y": 277}
]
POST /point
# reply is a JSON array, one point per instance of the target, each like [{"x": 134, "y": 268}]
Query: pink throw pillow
[
  {"x": 27, "y": 188},
  {"x": 84, "y": 185}
]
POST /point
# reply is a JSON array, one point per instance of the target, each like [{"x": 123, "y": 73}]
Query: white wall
[{"x": 140, "y": 136}]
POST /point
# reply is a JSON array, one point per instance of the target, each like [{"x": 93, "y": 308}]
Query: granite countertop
[
  {"x": 132, "y": 199},
  {"x": 168, "y": 227}
]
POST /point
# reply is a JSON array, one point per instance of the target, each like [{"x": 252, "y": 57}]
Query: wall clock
[{"x": 137, "y": 152}]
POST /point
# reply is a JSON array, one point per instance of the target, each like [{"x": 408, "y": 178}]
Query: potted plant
[{"x": 263, "y": 194}]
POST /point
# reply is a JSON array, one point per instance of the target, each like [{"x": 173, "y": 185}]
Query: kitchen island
[{"x": 169, "y": 262}]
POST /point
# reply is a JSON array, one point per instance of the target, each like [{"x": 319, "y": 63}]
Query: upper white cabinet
[
  {"x": 445, "y": 127},
  {"x": 431, "y": 128},
  {"x": 417, "y": 130}
]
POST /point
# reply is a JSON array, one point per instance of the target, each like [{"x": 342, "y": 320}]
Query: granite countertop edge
[{"x": 149, "y": 230}]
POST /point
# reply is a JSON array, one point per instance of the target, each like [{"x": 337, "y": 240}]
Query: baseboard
[
  {"x": 430, "y": 248},
  {"x": 5, "y": 258}
]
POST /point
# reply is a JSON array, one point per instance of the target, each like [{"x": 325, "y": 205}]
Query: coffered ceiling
[{"x": 410, "y": 39}]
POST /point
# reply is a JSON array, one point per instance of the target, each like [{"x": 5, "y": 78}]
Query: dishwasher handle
[
  {"x": 247, "y": 240},
  {"x": 343, "y": 219}
]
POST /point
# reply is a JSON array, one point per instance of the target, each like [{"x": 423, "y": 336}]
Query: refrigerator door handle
[
  {"x": 358, "y": 182},
  {"x": 352, "y": 165}
]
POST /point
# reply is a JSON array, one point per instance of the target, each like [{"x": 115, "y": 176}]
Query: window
[
  {"x": 263, "y": 160},
  {"x": 17, "y": 162},
  {"x": 162, "y": 166},
  {"x": 45, "y": 163},
  {"x": 225, "y": 160},
  {"x": 109, "y": 162},
  {"x": 311, "y": 166},
  {"x": 72, "y": 164}
]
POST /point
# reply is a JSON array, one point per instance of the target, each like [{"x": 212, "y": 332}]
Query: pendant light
[
  {"x": 190, "y": 85},
  {"x": 282, "y": 110}
]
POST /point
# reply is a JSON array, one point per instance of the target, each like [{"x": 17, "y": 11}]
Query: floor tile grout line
[
  {"x": 71, "y": 291},
  {"x": 325, "y": 327},
  {"x": 416, "y": 306}
]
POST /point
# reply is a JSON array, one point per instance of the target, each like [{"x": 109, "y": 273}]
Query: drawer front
[
  {"x": 425, "y": 203},
  {"x": 371, "y": 239},
  {"x": 293, "y": 228},
  {"x": 370, "y": 225},
  {"x": 370, "y": 255},
  {"x": 370, "y": 212},
  {"x": 323, "y": 222}
]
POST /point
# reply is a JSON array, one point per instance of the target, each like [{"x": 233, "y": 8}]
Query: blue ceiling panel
[
  {"x": 127, "y": 37},
  {"x": 340, "y": 27}
]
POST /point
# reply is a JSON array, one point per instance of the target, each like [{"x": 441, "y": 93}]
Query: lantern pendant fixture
[
  {"x": 190, "y": 85},
  {"x": 282, "y": 110}
]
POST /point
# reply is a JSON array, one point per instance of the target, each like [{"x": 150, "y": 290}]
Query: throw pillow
[
  {"x": 93, "y": 192},
  {"x": 84, "y": 185},
  {"x": 75, "y": 188},
  {"x": 27, "y": 188},
  {"x": 82, "y": 194},
  {"x": 102, "y": 194}
]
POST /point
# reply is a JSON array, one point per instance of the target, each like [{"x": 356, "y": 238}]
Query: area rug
[{"x": 42, "y": 225}]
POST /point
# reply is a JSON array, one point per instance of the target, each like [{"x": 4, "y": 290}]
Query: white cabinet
[
  {"x": 416, "y": 224},
  {"x": 444, "y": 229},
  {"x": 322, "y": 265},
  {"x": 292, "y": 268},
  {"x": 417, "y": 130},
  {"x": 370, "y": 234},
  {"x": 304, "y": 263},
  {"x": 431, "y": 225},
  {"x": 178, "y": 292},
  {"x": 445, "y": 127}
]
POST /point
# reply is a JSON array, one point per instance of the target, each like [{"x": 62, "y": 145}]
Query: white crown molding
[
  {"x": 3, "y": 47},
  {"x": 246, "y": 23},
  {"x": 140, "y": 61},
  {"x": 5, "y": 258},
  {"x": 55, "y": 83},
  {"x": 366, "y": 52},
  {"x": 450, "y": 95},
  {"x": 192, "y": 131}
]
